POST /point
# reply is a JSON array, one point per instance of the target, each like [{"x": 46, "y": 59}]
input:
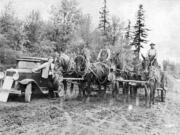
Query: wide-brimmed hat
[{"x": 152, "y": 44}]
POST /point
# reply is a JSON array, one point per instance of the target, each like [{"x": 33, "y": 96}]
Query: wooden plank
[
  {"x": 131, "y": 81},
  {"x": 73, "y": 79}
]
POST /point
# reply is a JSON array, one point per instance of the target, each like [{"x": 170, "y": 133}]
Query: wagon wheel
[{"x": 28, "y": 92}]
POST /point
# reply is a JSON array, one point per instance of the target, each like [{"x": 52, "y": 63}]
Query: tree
[
  {"x": 85, "y": 26},
  {"x": 140, "y": 31},
  {"x": 114, "y": 31},
  {"x": 9, "y": 27},
  {"x": 127, "y": 46},
  {"x": 104, "y": 21},
  {"x": 128, "y": 33},
  {"x": 10, "y": 35},
  {"x": 66, "y": 20},
  {"x": 32, "y": 26}
]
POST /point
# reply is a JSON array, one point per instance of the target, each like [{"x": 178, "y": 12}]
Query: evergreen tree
[
  {"x": 85, "y": 29},
  {"x": 128, "y": 33},
  {"x": 140, "y": 31},
  {"x": 114, "y": 30},
  {"x": 104, "y": 21}
]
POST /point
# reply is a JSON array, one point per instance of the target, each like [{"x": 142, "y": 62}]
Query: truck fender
[{"x": 27, "y": 81}]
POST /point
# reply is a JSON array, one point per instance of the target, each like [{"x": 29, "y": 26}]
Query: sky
[{"x": 161, "y": 16}]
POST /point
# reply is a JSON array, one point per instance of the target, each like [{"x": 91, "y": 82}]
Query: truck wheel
[{"x": 28, "y": 93}]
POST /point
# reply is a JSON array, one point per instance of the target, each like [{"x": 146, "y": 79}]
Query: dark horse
[
  {"x": 156, "y": 79},
  {"x": 97, "y": 74},
  {"x": 81, "y": 67}
]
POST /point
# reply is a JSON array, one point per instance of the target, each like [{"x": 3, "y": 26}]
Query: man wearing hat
[
  {"x": 47, "y": 74},
  {"x": 152, "y": 55}
]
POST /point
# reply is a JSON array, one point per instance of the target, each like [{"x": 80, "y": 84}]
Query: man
[
  {"x": 47, "y": 68},
  {"x": 104, "y": 55},
  {"x": 152, "y": 55},
  {"x": 47, "y": 74}
]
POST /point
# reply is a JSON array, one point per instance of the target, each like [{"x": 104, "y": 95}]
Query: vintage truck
[{"x": 22, "y": 80}]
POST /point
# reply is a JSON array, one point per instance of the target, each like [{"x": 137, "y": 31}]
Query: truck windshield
[{"x": 27, "y": 64}]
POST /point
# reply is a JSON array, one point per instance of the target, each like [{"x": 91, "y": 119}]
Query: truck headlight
[
  {"x": 16, "y": 76},
  {"x": 2, "y": 75}
]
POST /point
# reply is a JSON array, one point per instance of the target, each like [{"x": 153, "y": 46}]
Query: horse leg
[
  {"x": 131, "y": 90},
  {"x": 145, "y": 93},
  {"x": 153, "y": 98},
  {"x": 137, "y": 96},
  {"x": 71, "y": 88},
  {"x": 135, "y": 91},
  {"x": 115, "y": 90},
  {"x": 84, "y": 90},
  {"x": 81, "y": 90},
  {"x": 87, "y": 99},
  {"x": 104, "y": 92},
  {"x": 148, "y": 100},
  {"x": 126, "y": 89},
  {"x": 152, "y": 92},
  {"x": 65, "y": 89}
]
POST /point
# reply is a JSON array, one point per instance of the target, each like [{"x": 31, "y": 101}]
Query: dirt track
[{"x": 99, "y": 117}]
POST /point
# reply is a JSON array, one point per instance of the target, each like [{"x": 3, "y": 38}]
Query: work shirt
[{"x": 152, "y": 53}]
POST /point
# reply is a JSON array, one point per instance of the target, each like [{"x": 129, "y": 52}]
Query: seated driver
[
  {"x": 152, "y": 55},
  {"x": 104, "y": 55}
]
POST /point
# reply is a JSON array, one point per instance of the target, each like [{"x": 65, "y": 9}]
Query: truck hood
[{"x": 20, "y": 70}]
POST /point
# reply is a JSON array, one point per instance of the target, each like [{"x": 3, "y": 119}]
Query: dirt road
[{"x": 99, "y": 117}]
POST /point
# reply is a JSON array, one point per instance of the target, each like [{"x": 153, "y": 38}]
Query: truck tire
[{"x": 28, "y": 92}]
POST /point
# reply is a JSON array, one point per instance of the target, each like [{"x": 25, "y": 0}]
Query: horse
[
  {"x": 97, "y": 74},
  {"x": 81, "y": 66},
  {"x": 64, "y": 67},
  {"x": 138, "y": 74},
  {"x": 156, "y": 79},
  {"x": 116, "y": 61},
  {"x": 100, "y": 74}
]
